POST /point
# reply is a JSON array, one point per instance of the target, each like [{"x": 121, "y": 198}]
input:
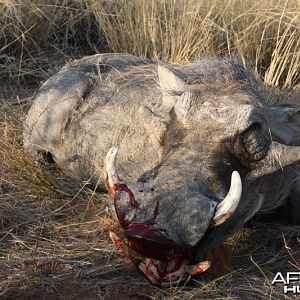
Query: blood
[
  {"x": 173, "y": 266},
  {"x": 199, "y": 269},
  {"x": 117, "y": 243},
  {"x": 132, "y": 202},
  {"x": 123, "y": 187},
  {"x": 158, "y": 272},
  {"x": 155, "y": 214},
  {"x": 149, "y": 241}
]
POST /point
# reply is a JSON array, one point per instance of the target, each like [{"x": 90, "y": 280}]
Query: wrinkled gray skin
[{"x": 181, "y": 131}]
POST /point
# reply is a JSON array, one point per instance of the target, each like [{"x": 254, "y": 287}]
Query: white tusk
[
  {"x": 227, "y": 207},
  {"x": 197, "y": 268},
  {"x": 110, "y": 170}
]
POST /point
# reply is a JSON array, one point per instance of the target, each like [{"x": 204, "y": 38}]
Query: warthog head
[
  {"x": 200, "y": 152},
  {"x": 225, "y": 156}
]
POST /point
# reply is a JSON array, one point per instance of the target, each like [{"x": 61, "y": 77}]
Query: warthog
[{"x": 200, "y": 152}]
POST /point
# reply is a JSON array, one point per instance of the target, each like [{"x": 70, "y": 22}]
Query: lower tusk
[
  {"x": 110, "y": 170},
  {"x": 227, "y": 207},
  {"x": 197, "y": 268}
]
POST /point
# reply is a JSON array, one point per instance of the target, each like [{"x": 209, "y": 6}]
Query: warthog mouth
[{"x": 161, "y": 259}]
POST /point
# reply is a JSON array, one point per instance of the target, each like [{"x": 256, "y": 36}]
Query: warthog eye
[{"x": 256, "y": 142}]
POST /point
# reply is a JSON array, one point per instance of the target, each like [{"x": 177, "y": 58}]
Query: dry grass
[
  {"x": 264, "y": 34},
  {"x": 36, "y": 36},
  {"x": 54, "y": 235}
]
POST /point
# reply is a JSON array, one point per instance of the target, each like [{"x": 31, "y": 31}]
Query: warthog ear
[
  {"x": 171, "y": 86},
  {"x": 169, "y": 82},
  {"x": 285, "y": 125}
]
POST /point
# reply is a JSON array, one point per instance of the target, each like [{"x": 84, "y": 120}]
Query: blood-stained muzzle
[
  {"x": 151, "y": 242},
  {"x": 152, "y": 232}
]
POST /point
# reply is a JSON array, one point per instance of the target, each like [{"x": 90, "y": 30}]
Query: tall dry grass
[
  {"x": 262, "y": 34},
  {"x": 38, "y": 35}
]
